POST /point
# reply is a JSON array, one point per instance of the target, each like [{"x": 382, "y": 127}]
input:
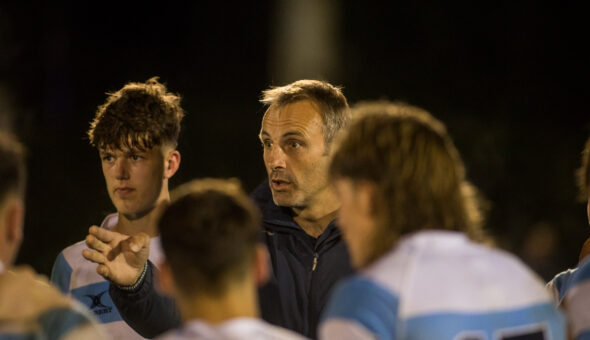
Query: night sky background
[{"x": 509, "y": 80}]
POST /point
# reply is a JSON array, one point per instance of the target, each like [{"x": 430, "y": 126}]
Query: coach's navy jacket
[{"x": 304, "y": 269}]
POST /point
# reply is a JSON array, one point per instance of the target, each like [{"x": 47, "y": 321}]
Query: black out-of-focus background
[{"x": 509, "y": 80}]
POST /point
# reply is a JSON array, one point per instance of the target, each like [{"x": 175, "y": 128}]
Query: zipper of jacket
[{"x": 315, "y": 261}]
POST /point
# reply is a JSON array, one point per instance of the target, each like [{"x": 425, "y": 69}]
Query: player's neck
[
  {"x": 144, "y": 222},
  {"x": 238, "y": 301},
  {"x": 315, "y": 217}
]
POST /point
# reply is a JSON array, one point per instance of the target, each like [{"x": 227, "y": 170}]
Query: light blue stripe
[
  {"x": 97, "y": 298},
  {"x": 367, "y": 303},
  {"x": 581, "y": 274},
  {"x": 544, "y": 317},
  {"x": 61, "y": 273}
]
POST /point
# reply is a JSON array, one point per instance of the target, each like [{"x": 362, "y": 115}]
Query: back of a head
[
  {"x": 333, "y": 104},
  {"x": 418, "y": 174},
  {"x": 208, "y": 234},
  {"x": 12, "y": 167},
  {"x": 139, "y": 115}
]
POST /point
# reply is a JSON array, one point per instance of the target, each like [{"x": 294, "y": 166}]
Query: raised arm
[
  {"x": 143, "y": 308},
  {"x": 123, "y": 260}
]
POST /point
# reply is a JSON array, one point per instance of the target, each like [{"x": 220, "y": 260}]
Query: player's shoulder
[
  {"x": 362, "y": 302},
  {"x": 579, "y": 275},
  {"x": 73, "y": 252}
]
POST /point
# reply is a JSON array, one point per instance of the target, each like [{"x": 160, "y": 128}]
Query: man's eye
[
  {"x": 135, "y": 157},
  {"x": 266, "y": 144},
  {"x": 294, "y": 144},
  {"x": 108, "y": 158}
]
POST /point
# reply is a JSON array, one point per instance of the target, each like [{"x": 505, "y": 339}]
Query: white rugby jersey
[
  {"x": 75, "y": 275},
  {"x": 438, "y": 285},
  {"x": 234, "y": 329}
]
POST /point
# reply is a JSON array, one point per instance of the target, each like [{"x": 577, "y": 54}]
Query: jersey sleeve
[
  {"x": 61, "y": 273},
  {"x": 360, "y": 309},
  {"x": 576, "y": 301}
]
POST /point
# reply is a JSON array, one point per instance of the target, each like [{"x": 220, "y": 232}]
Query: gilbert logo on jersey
[
  {"x": 96, "y": 297},
  {"x": 97, "y": 306}
]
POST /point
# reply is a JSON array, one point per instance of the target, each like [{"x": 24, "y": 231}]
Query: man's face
[
  {"x": 356, "y": 220},
  {"x": 134, "y": 179},
  {"x": 294, "y": 153}
]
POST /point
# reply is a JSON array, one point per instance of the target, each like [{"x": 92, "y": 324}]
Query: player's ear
[
  {"x": 15, "y": 216},
  {"x": 172, "y": 163},
  {"x": 166, "y": 279},
  {"x": 261, "y": 264}
]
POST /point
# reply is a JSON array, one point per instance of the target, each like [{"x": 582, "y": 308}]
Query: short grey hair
[{"x": 334, "y": 107}]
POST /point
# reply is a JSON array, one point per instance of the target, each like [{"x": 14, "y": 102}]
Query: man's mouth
[
  {"x": 124, "y": 191},
  {"x": 279, "y": 184}
]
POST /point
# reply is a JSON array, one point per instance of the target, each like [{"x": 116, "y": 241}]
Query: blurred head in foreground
[{"x": 397, "y": 171}]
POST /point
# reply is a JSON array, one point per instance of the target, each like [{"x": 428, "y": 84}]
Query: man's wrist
[{"x": 135, "y": 286}]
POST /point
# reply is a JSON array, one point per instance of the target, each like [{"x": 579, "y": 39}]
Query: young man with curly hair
[{"x": 136, "y": 133}]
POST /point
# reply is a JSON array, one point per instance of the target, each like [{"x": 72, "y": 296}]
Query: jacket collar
[{"x": 281, "y": 218}]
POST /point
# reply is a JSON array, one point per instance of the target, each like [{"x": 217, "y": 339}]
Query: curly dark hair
[{"x": 138, "y": 116}]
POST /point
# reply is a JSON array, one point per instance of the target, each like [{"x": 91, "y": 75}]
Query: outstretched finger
[
  {"x": 93, "y": 243},
  {"x": 103, "y": 271},
  {"x": 103, "y": 234},
  {"x": 93, "y": 256}
]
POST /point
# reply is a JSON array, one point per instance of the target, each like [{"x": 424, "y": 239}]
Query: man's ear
[
  {"x": 13, "y": 215},
  {"x": 15, "y": 218},
  {"x": 166, "y": 279},
  {"x": 261, "y": 264},
  {"x": 172, "y": 163}
]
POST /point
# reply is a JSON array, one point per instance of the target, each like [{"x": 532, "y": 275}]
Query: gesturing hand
[{"x": 120, "y": 258}]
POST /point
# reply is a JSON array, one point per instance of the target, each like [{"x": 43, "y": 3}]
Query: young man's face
[
  {"x": 356, "y": 220},
  {"x": 294, "y": 153},
  {"x": 134, "y": 179}
]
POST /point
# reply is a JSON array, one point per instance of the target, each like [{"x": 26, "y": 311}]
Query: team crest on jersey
[
  {"x": 97, "y": 298},
  {"x": 97, "y": 306}
]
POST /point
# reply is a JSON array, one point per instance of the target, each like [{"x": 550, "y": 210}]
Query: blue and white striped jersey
[
  {"x": 438, "y": 285},
  {"x": 75, "y": 275},
  {"x": 572, "y": 288}
]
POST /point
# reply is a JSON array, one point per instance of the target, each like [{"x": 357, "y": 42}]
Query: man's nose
[
  {"x": 121, "y": 168},
  {"x": 276, "y": 158}
]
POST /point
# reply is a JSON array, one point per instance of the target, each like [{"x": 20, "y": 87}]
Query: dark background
[{"x": 508, "y": 79}]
